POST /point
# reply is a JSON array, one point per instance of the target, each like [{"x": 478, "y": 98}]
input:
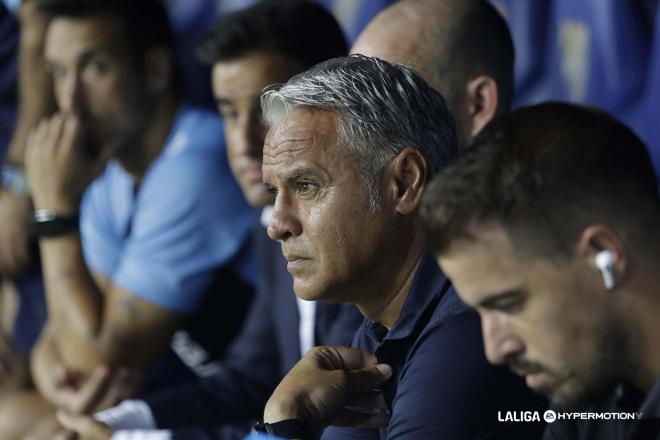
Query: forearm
[
  {"x": 35, "y": 93},
  {"x": 75, "y": 304},
  {"x": 43, "y": 358}
]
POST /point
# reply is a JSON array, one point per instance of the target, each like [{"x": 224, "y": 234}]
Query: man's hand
[
  {"x": 327, "y": 385},
  {"x": 101, "y": 390},
  {"x": 15, "y": 237},
  {"x": 57, "y": 165},
  {"x": 86, "y": 427}
]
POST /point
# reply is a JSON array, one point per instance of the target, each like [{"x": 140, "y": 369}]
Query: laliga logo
[{"x": 549, "y": 416}]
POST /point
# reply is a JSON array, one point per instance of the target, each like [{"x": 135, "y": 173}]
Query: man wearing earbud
[{"x": 549, "y": 225}]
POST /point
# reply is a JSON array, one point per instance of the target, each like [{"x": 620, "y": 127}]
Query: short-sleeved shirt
[
  {"x": 626, "y": 414},
  {"x": 442, "y": 385},
  {"x": 162, "y": 240}
]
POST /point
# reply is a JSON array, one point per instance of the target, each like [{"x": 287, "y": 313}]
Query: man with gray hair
[{"x": 351, "y": 145}]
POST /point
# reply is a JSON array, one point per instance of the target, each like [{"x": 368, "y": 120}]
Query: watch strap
[
  {"x": 47, "y": 223},
  {"x": 288, "y": 429}
]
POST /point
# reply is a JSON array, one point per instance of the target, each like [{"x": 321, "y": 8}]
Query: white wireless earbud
[{"x": 605, "y": 263}]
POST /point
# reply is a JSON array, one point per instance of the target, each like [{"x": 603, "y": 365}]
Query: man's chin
[{"x": 575, "y": 396}]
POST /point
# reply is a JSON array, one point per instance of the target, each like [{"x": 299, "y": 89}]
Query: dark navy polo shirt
[
  {"x": 624, "y": 400},
  {"x": 442, "y": 386}
]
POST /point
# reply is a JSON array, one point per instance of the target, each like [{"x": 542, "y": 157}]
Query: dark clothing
[
  {"x": 624, "y": 399},
  {"x": 9, "y": 36},
  {"x": 442, "y": 386},
  {"x": 266, "y": 349}
]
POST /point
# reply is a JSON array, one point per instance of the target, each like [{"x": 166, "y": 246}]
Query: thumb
[{"x": 367, "y": 379}]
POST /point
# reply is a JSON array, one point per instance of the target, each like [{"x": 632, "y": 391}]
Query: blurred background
[{"x": 604, "y": 53}]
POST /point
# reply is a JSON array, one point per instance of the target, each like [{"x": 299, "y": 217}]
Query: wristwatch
[
  {"x": 47, "y": 223},
  {"x": 13, "y": 180},
  {"x": 287, "y": 429}
]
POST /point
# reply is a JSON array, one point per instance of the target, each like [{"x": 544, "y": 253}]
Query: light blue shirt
[{"x": 163, "y": 241}]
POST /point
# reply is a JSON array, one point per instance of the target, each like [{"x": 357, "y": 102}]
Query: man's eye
[
  {"x": 228, "y": 115},
  {"x": 304, "y": 187},
  {"x": 511, "y": 307}
]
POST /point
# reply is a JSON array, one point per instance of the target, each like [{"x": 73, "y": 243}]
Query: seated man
[
  {"x": 550, "y": 226},
  {"x": 152, "y": 234},
  {"x": 249, "y": 50},
  {"x": 350, "y": 147}
]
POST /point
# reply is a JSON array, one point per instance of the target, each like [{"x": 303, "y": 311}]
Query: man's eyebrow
[
  {"x": 84, "y": 56},
  {"x": 299, "y": 173},
  {"x": 223, "y": 101},
  {"x": 491, "y": 301}
]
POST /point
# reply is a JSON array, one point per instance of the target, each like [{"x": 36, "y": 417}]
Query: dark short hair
[
  {"x": 478, "y": 41},
  {"x": 146, "y": 23},
  {"x": 545, "y": 173},
  {"x": 301, "y": 29}
]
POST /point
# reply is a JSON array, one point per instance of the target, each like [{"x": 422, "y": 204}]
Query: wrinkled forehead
[{"x": 302, "y": 128}]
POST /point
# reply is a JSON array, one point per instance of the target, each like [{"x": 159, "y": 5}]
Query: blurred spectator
[
  {"x": 448, "y": 48},
  {"x": 154, "y": 228}
]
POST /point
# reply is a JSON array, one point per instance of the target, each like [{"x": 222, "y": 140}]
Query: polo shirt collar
[{"x": 426, "y": 291}]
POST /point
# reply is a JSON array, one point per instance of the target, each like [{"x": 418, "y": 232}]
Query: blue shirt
[
  {"x": 442, "y": 386},
  {"x": 162, "y": 240}
]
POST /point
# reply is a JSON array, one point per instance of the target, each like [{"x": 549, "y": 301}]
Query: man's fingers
[
  {"x": 86, "y": 427},
  {"x": 122, "y": 386},
  {"x": 357, "y": 419},
  {"x": 367, "y": 378},
  {"x": 368, "y": 399},
  {"x": 91, "y": 391},
  {"x": 65, "y": 434},
  {"x": 342, "y": 358},
  {"x": 70, "y": 132}
]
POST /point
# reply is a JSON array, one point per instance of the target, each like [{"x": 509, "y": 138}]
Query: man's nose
[
  {"x": 71, "y": 93},
  {"x": 499, "y": 343},
  {"x": 284, "y": 222},
  {"x": 250, "y": 135}
]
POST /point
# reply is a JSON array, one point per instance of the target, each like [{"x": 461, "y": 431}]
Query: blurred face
[
  {"x": 237, "y": 85},
  {"x": 553, "y": 324},
  {"x": 330, "y": 238},
  {"x": 95, "y": 76}
]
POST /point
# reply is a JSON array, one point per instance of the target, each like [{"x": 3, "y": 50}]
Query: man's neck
[
  {"x": 388, "y": 294},
  {"x": 136, "y": 157}
]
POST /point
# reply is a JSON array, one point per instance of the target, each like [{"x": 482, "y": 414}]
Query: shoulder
[{"x": 196, "y": 128}]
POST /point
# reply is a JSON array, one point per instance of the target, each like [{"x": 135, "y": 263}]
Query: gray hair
[{"x": 383, "y": 108}]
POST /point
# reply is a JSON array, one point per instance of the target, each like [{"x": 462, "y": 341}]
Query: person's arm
[
  {"x": 90, "y": 326},
  {"x": 35, "y": 101},
  {"x": 325, "y": 383}
]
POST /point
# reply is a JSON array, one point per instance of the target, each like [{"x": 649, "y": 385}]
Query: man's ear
[
  {"x": 158, "y": 68},
  {"x": 482, "y": 101},
  {"x": 599, "y": 239},
  {"x": 407, "y": 179}
]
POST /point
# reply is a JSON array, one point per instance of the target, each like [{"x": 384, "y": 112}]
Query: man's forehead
[
  {"x": 74, "y": 35},
  {"x": 302, "y": 128}
]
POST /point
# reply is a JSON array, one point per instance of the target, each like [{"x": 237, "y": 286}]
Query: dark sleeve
[
  {"x": 335, "y": 433},
  {"x": 225, "y": 432},
  {"x": 238, "y": 392},
  {"x": 448, "y": 389}
]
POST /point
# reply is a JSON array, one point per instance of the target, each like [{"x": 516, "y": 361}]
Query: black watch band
[
  {"x": 289, "y": 429},
  {"x": 47, "y": 223}
]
